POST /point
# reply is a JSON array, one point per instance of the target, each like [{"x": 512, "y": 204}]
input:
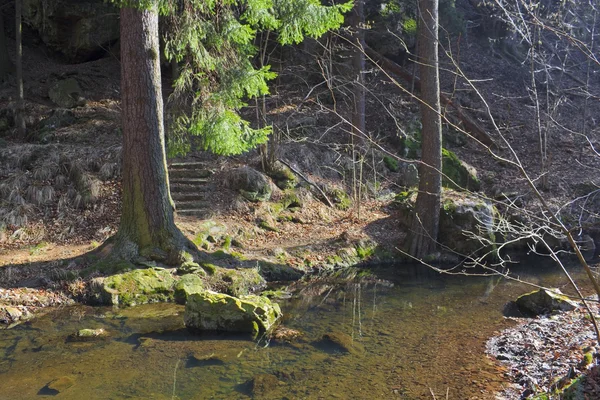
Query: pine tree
[{"x": 213, "y": 43}]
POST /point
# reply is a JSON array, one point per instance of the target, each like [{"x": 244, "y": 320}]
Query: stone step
[
  {"x": 189, "y": 196},
  {"x": 183, "y": 188},
  {"x": 191, "y": 205},
  {"x": 200, "y": 213},
  {"x": 188, "y": 165},
  {"x": 189, "y": 173},
  {"x": 189, "y": 181}
]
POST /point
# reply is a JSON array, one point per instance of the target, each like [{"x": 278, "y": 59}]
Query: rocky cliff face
[{"x": 80, "y": 30}]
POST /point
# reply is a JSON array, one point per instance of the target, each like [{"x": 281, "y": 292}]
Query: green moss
[
  {"x": 209, "y": 268},
  {"x": 227, "y": 243},
  {"x": 210, "y": 311},
  {"x": 187, "y": 285},
  {"x": 266, "y": 226},
  {"x": 341, "y": 199},
  {"x": 364, "y": 251},
  {"x": 238, "y": 282},
  {"x": 283, "y": 177},
  {"x": 456, "y": 175},
  {"x": 140, "y": 286},
  {"x": 391, "y": 163}
]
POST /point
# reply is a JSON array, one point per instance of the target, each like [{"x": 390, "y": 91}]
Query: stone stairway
[{"x": 190, "y": 189}]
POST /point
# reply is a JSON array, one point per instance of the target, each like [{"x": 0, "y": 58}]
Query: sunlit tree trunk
[
  {"x": 425, "y": 225},
  {"x": 147, "y": 225}
]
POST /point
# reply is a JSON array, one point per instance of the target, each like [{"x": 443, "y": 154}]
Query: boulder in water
[{"x": 543, "y": 302}]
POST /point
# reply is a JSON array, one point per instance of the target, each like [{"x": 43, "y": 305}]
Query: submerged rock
[
  {"x": 341, "y": 342},
  {"x": 211, "y": 311},
  {"x": 262, "y": 384},
  {"x": 87, "y": 334},
  {"x": 59, "y": 385},
  {"x": 544, "y": 302}
]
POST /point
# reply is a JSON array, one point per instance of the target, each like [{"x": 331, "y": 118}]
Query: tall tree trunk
[
  {"x": 358, "y": 67},
  {"x": 6, "y": 66},
  {"x": 20, "y": 109},
  {"x": 147, "y": 222},
  {"x": 425, "y": 225}
]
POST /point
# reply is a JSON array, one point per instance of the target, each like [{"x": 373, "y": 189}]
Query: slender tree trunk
[
  {"x": 427, "y": 208},
  {"x": 20, "y": 109},
  {"x": 358, "y": 66},
  {"x": 147, "y": 222},
  {"x": 6, "y": 66}
]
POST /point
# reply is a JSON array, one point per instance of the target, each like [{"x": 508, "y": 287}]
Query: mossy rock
[
  {"x": 250, "y": 183},
  {"x": 66, "y": 93},
  {"x": 88, "y": 334},
  {"x": 274, "y": 272},
  {"x": 460, "y": 214},
  {"x": 263, "y": 384},
  {"x": 283, "y": 176},
  {"x": 340, "y": 342},
  {"x": 456, "y": 174},
  {"x": 139, "y": 286},
  {"x": 211, "y": 311},
  {"x": 187, "y": 285},
  {"x": 238, "y": 282},
  {"x": 340, "y": 198},
  {"x": 543, "y": 301},
  {"x": 391, "y": 163},
  {"x": 59, "y": 385},
  {"x": 209, "y": 233}
]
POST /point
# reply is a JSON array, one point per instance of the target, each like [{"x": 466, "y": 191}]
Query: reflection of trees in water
[{"x": 347, "y": 298}]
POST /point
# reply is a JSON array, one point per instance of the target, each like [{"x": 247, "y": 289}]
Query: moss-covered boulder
[
  {"x": 283, "y": 176},
  {"x": 187, "y": 285},
  {"x": 88, "y": 334},
  {"x": 251, "y": 184},
  {"x": 211, "y": 311},
  {"x": 543, "y": 301},
  {"x": 238, "y": 282},
  {"x": 139, "y": 286},
  {"x": 466, "y": 223},
  {"x": 457, "y": 174},
  {"x": 66, "y": 93}
]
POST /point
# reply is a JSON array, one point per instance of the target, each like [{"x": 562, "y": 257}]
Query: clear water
[{"x": 424, "y": 335}]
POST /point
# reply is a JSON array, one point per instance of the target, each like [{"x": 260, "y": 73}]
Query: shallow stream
[{"x": 421, "y": 335}]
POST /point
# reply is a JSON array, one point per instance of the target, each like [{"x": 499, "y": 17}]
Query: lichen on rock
[{"x": 211, "y": 311}]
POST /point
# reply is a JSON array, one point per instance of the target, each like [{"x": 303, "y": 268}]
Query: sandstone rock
[
  {"x": 211, "y": 311},
  {"x": 66, "y": 93},
  {"x": 544, "y": 302},
  {"x": 252, "y": 184},
  {"x": 139, "y": 286},
  {"x": 187, "y": 285},
  {"x": 79, "y": 29}
]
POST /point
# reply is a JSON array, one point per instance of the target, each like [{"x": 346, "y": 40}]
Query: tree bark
[
  {"x": 425, "y": 225},
  {"x": 358, "y": 67},
  {"x": 6, "y": 66},
  {"x": 20, "y": 109},
  {"x": 147, "y": 225}
]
